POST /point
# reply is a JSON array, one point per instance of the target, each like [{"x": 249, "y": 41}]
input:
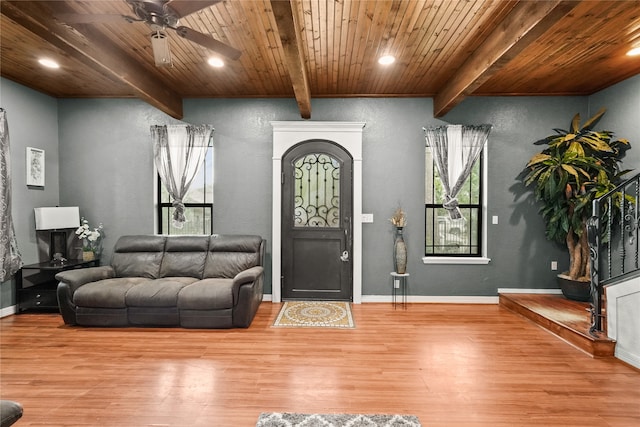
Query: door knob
[{"x": 345, "y": 256}]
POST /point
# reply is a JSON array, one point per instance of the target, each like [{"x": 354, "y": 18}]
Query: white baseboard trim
[
  {"x": 7, "y": 311},
  {"x": 423, "y": 299},
  {"x": 450, "y": 299},
  {"x": 432, "y": 299},
  {"x": 628, "y": 357},
  {"x": 528, "y": 291}
]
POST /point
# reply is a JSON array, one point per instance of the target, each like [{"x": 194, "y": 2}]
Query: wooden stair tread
[{"x": 567, "y": 319}]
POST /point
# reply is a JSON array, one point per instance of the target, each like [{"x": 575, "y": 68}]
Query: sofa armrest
[
  {"x": 78, "y": 277},
  {"x": 70, "y": 281},
  {"x": 247, "y": 295},
  {"x": 247, "y": 276}
]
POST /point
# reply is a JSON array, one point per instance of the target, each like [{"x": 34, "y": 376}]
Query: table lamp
[{"x": 57, "y": 220}]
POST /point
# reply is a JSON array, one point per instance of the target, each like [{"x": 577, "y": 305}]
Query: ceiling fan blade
[
  {"x": 84, "y": 18},
  {"x": 186, "y": 7},
  {"x": 208, "y": 42}
]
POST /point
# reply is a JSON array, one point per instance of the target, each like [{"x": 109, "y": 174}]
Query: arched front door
[{"x": 317, "y": 222}]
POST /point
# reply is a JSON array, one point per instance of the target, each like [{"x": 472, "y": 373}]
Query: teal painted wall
[
  {"x": 106, "y": 168},
  {"x": 622, "y": 102},
  {"x": 33, "y": 122}
]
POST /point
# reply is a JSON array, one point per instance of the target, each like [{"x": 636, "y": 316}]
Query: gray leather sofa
[
  {"x": 10, "y": 412},
  {"x": 189, "y": 281}
]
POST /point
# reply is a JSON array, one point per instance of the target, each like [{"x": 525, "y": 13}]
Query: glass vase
[{"x": 88, "y": 255}]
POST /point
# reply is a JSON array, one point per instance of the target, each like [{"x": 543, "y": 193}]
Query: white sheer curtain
[
  {"x": 10, "y": 258},
  {"x": 455, "y": 150},
  {"x": 179, "y": 151}
]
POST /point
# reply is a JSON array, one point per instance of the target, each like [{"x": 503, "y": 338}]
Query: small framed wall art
[{"x": 35, "y": 167}]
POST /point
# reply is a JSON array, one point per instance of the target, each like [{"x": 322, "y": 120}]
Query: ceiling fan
[{"x": 160, "y": 15}]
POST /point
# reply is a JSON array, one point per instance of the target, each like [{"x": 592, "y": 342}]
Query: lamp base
[{"x": 58, "y": 247}]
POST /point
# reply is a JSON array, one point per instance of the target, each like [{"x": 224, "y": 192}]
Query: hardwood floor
[{"x": 451, "y": 365}]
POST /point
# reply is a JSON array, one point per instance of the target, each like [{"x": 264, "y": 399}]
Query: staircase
[
  {"x": 567, "y": 319},
  {"x": 614, "y": 246}
]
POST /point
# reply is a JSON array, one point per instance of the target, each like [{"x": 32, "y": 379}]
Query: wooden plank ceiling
[{"x": 305, "y": 49}]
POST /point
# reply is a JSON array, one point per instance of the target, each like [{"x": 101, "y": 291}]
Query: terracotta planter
[{"x": 576, "y": 290}]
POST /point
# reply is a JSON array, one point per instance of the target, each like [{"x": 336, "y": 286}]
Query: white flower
[{"x": 90, "y": 237}]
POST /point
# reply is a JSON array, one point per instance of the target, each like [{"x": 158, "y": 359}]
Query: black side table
[
  {"x": 36, "y": 284},
  {"x": 399, "y": 284}
]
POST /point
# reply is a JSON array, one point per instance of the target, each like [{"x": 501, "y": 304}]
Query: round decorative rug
[{"x": 315, "y": 314}]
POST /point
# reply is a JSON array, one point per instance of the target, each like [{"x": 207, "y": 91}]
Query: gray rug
[{"x": 284, "y": 419}]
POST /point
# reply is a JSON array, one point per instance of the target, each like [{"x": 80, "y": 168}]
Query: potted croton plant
[{"x": 575, "y": 167}]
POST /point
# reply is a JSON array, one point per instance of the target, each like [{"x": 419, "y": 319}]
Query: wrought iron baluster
[
  {"x": 604, "y": 211},
  {"x": 636, "y": 221},
  {"x": 609, "y": 235},
  {"x": 623, "y": 221},
  {"x": 593, "y": 237}
]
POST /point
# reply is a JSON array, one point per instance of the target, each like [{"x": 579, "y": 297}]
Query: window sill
[{"x": 456, "y": 260}]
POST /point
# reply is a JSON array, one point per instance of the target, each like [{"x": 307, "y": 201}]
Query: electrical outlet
[
  {"x": 367, "y": 217},
  {"x": 396, "y": 283},
  {"x": 494, "y": 219},
  {"x": 554, "y": 265}
]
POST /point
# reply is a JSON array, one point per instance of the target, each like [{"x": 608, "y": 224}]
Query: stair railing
[{"x": 613, "y": 232}]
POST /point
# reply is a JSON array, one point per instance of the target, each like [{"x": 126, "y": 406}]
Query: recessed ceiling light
[
  {"x": 49, "y": 63},
  {"x": 216, "y": 62},
  {"x": 386, "y": 60},
  {"x": 634, "y": 52}
]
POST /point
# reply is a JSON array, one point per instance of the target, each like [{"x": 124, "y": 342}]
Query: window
[
  {"x": 198, "y": 203},
  {"x": 454, "y": 241}
]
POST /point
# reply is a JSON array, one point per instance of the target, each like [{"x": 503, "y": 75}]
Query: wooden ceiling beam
[
  {"x": 91, "y": 48},
  {"x": 289, "y": 30},
  {"x": 526, "y": 23}
]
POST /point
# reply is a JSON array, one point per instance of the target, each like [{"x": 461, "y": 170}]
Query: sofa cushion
[
  {"x": 230, "y": 254},
  {"x": 207, "y": 294},
  {"x": 157, "y": 293},
  {"x": 184, "y": 256},
  {"x": 107, "y": 293},
  {"x": 138, "y": 256}
]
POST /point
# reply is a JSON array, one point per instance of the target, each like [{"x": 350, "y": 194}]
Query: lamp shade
[{"x": 55, "y": 218}]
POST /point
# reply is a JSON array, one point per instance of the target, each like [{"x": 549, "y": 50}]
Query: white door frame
[{"x": 287, "y": 134}]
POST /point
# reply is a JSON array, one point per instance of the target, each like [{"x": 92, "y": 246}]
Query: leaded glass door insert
[
  {"x": 316, "y": 222},
  {"x": 317, "y": 191}
]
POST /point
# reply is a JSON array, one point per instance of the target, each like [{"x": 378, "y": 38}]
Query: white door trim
[{"x": 287, "y": 134}]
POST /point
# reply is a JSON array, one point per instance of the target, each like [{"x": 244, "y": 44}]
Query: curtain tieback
[
  {"x": 451, "y": 205},
  {"x": 178, "y": 214}
]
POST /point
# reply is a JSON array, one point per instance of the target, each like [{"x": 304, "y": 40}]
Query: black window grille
[
  {"x": 198, "y": 204},
  {"x": 456, "y": 238}
]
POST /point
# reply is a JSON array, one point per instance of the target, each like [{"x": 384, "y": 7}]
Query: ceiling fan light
[
  {"x": 215, "y": 62},
  {"x": 160, "y": 47},
  {"x": 386, "y": 60},
  {"x": 634, "y": 52},
  {"x": 49, "y": 63}
]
